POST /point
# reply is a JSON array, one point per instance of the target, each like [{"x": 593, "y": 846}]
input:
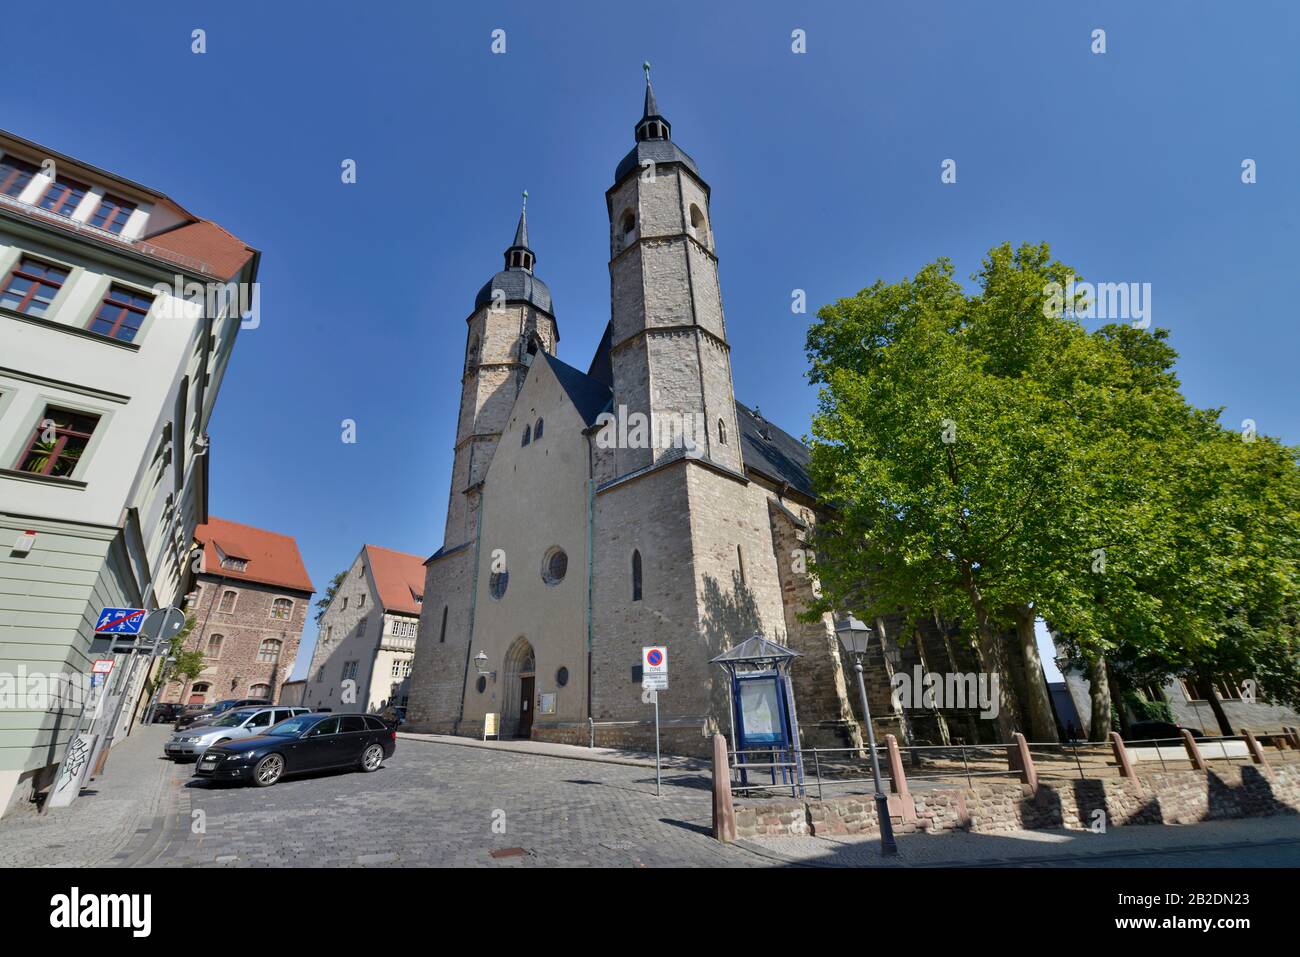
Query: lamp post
[{"x": 854, "y": 635}]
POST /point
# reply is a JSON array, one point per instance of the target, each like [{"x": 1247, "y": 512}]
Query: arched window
[
  {"x": 282, "y": 608},
  {"x": 442, "y": 633},
  {"x": 722, "y": 432},
  {"x": 199, "y": 693},
  {"x": 740, "y": 563},
  {"x": 636, "y": 575},
  {"x": 227, "y": 602},
  {"x": 497, "y": 584},
  {"x": 528, "y": 435},
  {"x": 626, "y": 225},
  {"x": 269, "y": 650},
  {"x": 214, "y": 646},
  {"x": 260, "y": 691},
  {"x": 537, "y": 430},
  {"x": 699, "y": 226}
]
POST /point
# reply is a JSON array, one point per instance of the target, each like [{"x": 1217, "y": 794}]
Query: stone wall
[
  {"x": 233, "y": 666},
  {"x": 1153, "y": 797}
]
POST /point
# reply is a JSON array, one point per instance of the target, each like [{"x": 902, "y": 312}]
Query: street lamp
[
  {"x": 854, "y": 636},
  {"x": 480, "y": 660}
]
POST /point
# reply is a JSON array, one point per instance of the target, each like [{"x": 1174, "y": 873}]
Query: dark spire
[
  {"x": 652, "y": 126},
  {"x": 519, "y": 256},
  {"x": 651, "y": 107}
]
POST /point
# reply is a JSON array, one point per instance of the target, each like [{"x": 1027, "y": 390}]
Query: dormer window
[{"x": 112, "y": 214}]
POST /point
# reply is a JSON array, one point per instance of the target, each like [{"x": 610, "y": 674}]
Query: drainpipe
[{"x": 591, "y": 509}]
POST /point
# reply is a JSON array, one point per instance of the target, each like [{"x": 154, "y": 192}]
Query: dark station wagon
[{"x": 309, "y": 742}]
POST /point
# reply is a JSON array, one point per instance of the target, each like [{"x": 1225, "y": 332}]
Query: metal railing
[{"x": 931, "y": 766}]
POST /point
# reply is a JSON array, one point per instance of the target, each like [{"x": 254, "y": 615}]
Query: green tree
[{"x": 323, "y": 602}]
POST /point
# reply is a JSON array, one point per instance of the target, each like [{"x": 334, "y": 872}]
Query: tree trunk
[
  {"x": 989, "y": 646},
  {"x": 1117, "y": 696},
  {"x": 1216, "y": 705},
  {"x": 1038, "y": 700},
  {"x": 1099, "y": 691}
]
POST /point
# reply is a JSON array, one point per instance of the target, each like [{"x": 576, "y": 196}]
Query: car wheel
[
  {"x": 372, "y": 758},
  {"x": 268, "y": 770}
]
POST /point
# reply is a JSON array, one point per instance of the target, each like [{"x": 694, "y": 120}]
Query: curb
[{"x": 597, "y": 758}]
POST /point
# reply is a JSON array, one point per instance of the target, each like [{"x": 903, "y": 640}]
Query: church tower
[
  {"x": 512, "y": 321},
  {"x": 669, "y": 352}
]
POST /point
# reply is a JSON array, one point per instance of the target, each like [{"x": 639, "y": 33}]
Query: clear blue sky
[{"x": 825, "y": 170}]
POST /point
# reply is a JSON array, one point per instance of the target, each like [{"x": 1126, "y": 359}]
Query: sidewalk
[
  {"x": 962, "y": 849},
  {"x": 108, "y": 814},
  {"x": 639, "y": 759}
]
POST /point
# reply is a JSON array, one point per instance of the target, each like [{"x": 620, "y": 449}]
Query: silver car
[{"x": 240, "y": 723}]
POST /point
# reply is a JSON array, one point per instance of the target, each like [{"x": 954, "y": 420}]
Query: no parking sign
[{"x": 654, "y": 668}]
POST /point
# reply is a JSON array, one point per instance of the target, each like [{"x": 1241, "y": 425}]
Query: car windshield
[
  {"x": 233, "y": 720},
  {"x": 293, "y": 726}
]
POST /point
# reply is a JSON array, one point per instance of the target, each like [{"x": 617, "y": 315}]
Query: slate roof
[
  {"x": 779, "y": 455},
  {"x": 589, "y": 396},
  {"x": 518, "y": 285},
  {"x": 658, "y": 152},
  {"x": 602, "y": 365}
]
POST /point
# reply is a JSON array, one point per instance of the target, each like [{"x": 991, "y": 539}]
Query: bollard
[
  {"x": 1193, "y": 752},
  {"x": 724, "y": 812},
  {"x": 1028, "y": 774},
  {"x": 1256, "y": 752}
]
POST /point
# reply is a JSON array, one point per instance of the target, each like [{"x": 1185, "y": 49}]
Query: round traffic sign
[{"x": 655, "y": 657}]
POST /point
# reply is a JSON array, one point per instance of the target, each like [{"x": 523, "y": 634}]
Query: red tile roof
[
  {"x": 400, "y": 578},
  {"x": 206, "y": 242},
  {"x": 273, "y": 559}
]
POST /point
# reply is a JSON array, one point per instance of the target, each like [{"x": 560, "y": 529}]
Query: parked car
[
  {"x": 1158, "y": 730},
  {"x": 309, "y": 742},
  {"x": 166, "y": 713},
  {"x": 209, "y": 712},
  {"x": 237, "y": 723},
  {"x": 393, "y": 716}
]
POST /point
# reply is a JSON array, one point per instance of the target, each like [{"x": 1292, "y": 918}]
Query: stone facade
[
  {"x": 249, "y": 651},
  {"x": 691, "y": 545},
  {"x": 367, "y": 635}
]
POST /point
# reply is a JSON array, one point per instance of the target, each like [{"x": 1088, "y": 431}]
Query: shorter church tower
[{"x": 512, "y": 321}]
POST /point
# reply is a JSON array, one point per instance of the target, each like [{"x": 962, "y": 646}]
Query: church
[{"x": 688, "y": 533}]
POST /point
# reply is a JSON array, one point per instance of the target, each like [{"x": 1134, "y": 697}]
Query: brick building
[{"x": 250, "y": 602}]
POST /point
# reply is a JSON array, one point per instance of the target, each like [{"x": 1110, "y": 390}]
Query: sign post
[{"x": 654, "y": 678}]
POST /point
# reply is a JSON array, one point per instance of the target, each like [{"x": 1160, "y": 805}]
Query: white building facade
[{"x": 107, "y": 384}]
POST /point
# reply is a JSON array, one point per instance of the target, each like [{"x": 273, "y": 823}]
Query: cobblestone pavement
[
  {"x": 107, "y": 815},
  {"x": 435, "y": 804}
]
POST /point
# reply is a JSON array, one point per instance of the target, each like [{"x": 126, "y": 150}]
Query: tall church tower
[
  {"x": 512, "y": 321},
  {"x": 669, "y": 351}
]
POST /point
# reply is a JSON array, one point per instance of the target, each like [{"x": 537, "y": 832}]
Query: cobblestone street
[{"x": 436, "y": 803}]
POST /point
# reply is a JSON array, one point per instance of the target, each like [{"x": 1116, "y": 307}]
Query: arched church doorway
[{"x": 521, "y": 672}]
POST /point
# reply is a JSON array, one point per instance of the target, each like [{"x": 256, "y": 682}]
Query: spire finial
[
  {"x": 646, "y": 66},
  {"x": 525, "y": 201}
]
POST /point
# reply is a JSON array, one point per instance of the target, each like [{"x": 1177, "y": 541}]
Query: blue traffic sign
[{"x": 120, "y": 621}]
